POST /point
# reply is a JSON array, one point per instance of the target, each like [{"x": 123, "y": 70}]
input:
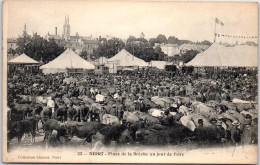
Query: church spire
[
  {"x": 65, "y": 23},
  {"x": 25, "y": 27},
  {"x": 68, "y": 19}
]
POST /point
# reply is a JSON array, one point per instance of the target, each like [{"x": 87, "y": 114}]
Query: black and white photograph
[{"x": 130, "y": 82}]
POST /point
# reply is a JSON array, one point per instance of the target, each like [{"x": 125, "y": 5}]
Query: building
[
  {"x": 11, "y": 43},
  {"x": 142, "y": 35},
  {"x": 66, "y": 29},
  {"x": 185, "y": 47},
  {"x": 77, "y": 43},
  {"x": 169, "y": 49}
]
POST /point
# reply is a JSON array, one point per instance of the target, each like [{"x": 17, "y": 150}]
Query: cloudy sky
[{"x": 185, "y": 20}]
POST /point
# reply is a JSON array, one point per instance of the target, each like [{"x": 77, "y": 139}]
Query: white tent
[
  {"x": 124, "y": 58},
  {"x": 159, "y": 64},
  {"x": 220, "y": 55},
  {"x": 23, "y": 59},
  {"x": 68, "y": 59}
]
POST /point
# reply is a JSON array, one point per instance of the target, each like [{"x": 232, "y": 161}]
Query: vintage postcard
[{"x": 89, "y": 81}]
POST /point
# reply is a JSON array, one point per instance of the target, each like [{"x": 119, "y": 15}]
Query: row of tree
[
  {"x": 37, "y": 48},
  {"x": 44, "y": 50},
  {"x": 138, "y": 47}
]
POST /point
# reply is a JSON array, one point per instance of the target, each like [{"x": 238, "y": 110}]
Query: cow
[
  {"x": 83, "y": 130},
  {"x": 202, "y": 109},
  {"x": 125, "y": 137},
  {"x": 19, "y": 128},
  {"x": 61, "y": 113},
  {"x": 112, "y": 133},
  {"x": 46, "y": 114},
  {"x": 50, "y": 125},
  {"x": 149, "y": 118},
  {"x": 24, "y": 109},
  {"x": 110, "y": 119},
  {"x": 130, "y": 117},
  {"x": 156, "y": 112}
]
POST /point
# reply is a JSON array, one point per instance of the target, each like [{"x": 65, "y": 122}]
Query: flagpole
[{"x": 215, "y": 31}]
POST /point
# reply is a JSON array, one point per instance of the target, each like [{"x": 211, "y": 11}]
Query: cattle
[
  {"x": 202, "y": 109},
  {"x": 110, "y": 119},
  {"x": 97, "y": 142},
  {"x": 147, "y": 137},
  {"x": 52, "y": 124},
  {"x": 187, "y": 122},
  {"x": 46, "y": 114},
  {"x": 185, "y": 100},
  {"x": 156, "y": 112},
  {"x": 112, "y": 133},
  {"x": 135, "y": 127},
  {"x": 196, "y": 117},
  {"x": 19, "y": 128},
  {"x": 125, "y": 137},
  {"x": 144, "y": 116},
  {"x": 184, "y": 110},
  {"x": 71, "y": 113},
  {"x": 164, "y": 135},
  {"x": 61, "y": 113},
  {"x": 83, "y": 129},
  {"x": 212, "y": 134},
  {"x": 24, "y": 109},
  {"x": 130, "y": 117},
  {"x": 42, "y": 100}
]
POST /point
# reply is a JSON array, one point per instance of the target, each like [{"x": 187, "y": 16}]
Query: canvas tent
[
  {"x": 23, "y": 59},
  {"x": 125, "y": 59},
  {"x": 67, "y": 60},
  {"x": 222, "y": 56},
  {"x": 22, "y": 64}
]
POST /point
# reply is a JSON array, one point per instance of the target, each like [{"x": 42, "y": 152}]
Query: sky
[{"x": 194, "y": 21}]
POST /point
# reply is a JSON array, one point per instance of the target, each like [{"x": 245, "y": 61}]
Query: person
[
  {"x": 247, "y": 135},
  {"x": 235, "y": 132},
  {"x": 200, "y": 132},
  {"x": 51, "y": 104}
]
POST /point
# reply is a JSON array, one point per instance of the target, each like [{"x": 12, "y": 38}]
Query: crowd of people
[{"x": 86, "y": 98}]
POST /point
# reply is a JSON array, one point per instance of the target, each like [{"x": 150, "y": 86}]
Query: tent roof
[
  {"x": 68, "y": 59},
  {"x": 220, "y": 55},
  {"x": 124, "y": 58},
  {"x": 23, "y": 59}
]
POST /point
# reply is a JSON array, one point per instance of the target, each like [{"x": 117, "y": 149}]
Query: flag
[{"x": 219, "y": 22}]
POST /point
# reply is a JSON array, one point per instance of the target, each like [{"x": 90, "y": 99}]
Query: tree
[
  {"x": 205, "y": 42},
  {"x": 38, "y": 48},
  {"x": 152, "y": 41},
  {"x": 109, "y": 48},
  {"x": 161, "y": 39},
  {"x": 189, "y": 55},
  {"x": 173, "y": 40},
  {"x": 131, "y": 39},
  {"x": 84, "y": 54},
  {"x": 11, "y": 51},
  {"x": 160, "y": 56}
]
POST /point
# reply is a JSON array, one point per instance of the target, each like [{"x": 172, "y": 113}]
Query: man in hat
[
  {"x": 221, "y": 133},
  {"x": 248, "y": 133},
  {"x": 235, "y": 132},
  {"x": 200, "y": 132},
  {"x": 113, "y": 110}
]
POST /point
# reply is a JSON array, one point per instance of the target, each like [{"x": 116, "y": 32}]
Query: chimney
[{"x": 55, "y": 30}]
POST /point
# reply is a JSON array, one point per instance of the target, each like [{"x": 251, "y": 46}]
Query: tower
[
  {"x": 25, "y": 31},
  {"x": 142, "y": 35},
  {"x": 66, "y": 29}
]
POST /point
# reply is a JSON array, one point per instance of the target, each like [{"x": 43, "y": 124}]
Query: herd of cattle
[{"x": 161, "y": 120}]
